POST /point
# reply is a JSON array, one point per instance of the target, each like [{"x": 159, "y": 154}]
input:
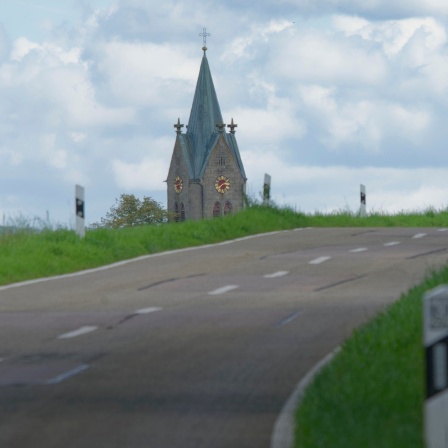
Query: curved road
[{"x": 193, "y": 348}]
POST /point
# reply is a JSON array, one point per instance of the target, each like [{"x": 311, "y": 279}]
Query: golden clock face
[
  {"x": 178, "y": 184},
  {"x": 222, "y": 184}
]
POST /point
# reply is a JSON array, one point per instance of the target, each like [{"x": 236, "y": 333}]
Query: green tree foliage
[{"x": 130, "y": 211}]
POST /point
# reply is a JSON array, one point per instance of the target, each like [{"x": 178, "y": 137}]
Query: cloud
[
  {"x": 136, "y": 73},
  {"x": 394, "y": 35},
  {"x": 373, "y": 9},
  {"x": 149, "y": 174},
  {"x": 348, "y": 86},
  {"x": 364, "y": 122},
  {"x": 333, "y": 188},
  {"x": 313, "y": 56}
]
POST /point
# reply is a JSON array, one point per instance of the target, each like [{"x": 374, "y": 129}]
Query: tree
[{"x": 129, "y": 211}]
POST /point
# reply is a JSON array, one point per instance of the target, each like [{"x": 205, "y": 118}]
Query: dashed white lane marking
[
  {"x": 359, "y": 249},
  {"x": 442, "y": 230},
  {"x": 320, "y": 260},
  {"x": 78, "y": 332},
  {"x": 288, "y": 319},
  {"x": 392, "y": 243},
  {"x": 276, "y": 274},
  {"x": 223, "y": 290},
  {"x": 65, "y": 376},
  {"x": 152, "y": 309},
  {"x": 419, "y": 235}
]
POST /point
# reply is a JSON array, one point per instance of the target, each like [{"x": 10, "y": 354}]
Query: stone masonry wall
[
  {"x": 179, "y": 168},
  {"x": 223, "y": 163}
]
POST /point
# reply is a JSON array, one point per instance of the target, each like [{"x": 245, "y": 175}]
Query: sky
[{"x": 327, "y": 95}]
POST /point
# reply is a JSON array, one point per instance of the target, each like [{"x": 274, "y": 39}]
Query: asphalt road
[{"x": 194, "y": 348}]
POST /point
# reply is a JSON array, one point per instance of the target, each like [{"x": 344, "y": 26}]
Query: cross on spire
[
  {"x": 204, "y": 35},
  {"x": 232, "y": 127},
  {"x": 178, "y": 126}
]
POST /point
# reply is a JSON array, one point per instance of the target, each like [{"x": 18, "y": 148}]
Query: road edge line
[{"x": 284, "y": 427}]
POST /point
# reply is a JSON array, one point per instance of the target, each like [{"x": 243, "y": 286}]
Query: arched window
[
  {"x": 182, "y": 211},
  {"x": 227, "y": 208},
  {"x": 216, "y": 210},
  {"x": 176, "y": 212}
]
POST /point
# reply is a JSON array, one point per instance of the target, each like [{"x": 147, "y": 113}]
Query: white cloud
[
  {"x": 148, "y": 174},
  {"x": 144, "y": 74},
  {"x": 52, "y": 155},
  {"x": 349, "y": 85},
  {"x": 394, "y": 35},
  {"x": 273, "y": 124},
  {"x": 365, "y": 122},
  {"x": 240, "y": 47},
  {"x": 10, "y": 157},
  {"x": 374, "y": 8},
  {"x": 334, "y": 188},
  {"x": 313, "y": 56}
]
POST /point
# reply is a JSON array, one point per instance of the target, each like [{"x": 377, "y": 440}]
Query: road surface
[{"x": 193, "y": 348}]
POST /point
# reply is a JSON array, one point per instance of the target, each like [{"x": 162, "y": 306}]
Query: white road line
[
  {"x": 78, "y": 332},
  {"x": 442, "y": 230},
  {"x": 359, "y": 249},
  {"x": 223, "y": 290},
  {"x": 419, "y": 235},
  {"x": 288, "y": 319},
  {"x": 65, "y": 376},
  {"x": 276, "y": 274},
  {"x": 392, "y": 243},
  {"x": 152, "y": 309},
  {"x": 319, "y": 260}
]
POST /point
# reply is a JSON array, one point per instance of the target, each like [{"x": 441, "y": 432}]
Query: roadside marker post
[
  {"x": 362, "y": 210},
  {"x": 435, "y": 335},
  {"x": 267, "y": 189},
  {"x": 80, "y": 211}
]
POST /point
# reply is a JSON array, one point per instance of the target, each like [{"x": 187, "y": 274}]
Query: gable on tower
[{"x": 206, "y": 134}]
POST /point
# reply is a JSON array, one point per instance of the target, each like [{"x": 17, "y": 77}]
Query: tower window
[
  {"x": 227, "y": 208},
  {"x": 221, "y": 158},
  {"x": 216, "y": 210},
  {"x": 176, "y": 212}
]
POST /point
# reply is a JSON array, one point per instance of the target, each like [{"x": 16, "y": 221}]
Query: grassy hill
[{"x": 27, "y": 253}]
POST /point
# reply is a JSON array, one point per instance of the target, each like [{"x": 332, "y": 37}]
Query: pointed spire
[{"x": 205, "y": 114}]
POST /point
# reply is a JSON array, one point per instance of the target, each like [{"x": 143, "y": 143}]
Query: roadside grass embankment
[
  {"x": 372, "y": 394},
  {"x": 28, "y": 254}
]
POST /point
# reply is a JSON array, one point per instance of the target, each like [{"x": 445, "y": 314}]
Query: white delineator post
[
  {"x": 362, "y": 210},
  {"x": 435, "y": 336},
  {"x": 79, "y": 210},
  {"x": 267, "y": 189}
]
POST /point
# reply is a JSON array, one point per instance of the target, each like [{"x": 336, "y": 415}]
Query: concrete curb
[{"x": 284, "y": 428}]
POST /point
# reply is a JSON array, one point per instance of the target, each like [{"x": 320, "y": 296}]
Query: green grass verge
[
  {"x": 27, "y": 254},
  {"x": 372, "y": 394}
]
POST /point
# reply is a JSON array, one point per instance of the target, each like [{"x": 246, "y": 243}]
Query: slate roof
[{"x": 202, "y": 134}]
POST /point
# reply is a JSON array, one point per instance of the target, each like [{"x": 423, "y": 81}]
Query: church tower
[{"x": 206, "y": 178}]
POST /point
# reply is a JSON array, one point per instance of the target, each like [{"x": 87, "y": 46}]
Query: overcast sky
[{"x": 326, "y": 95}]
